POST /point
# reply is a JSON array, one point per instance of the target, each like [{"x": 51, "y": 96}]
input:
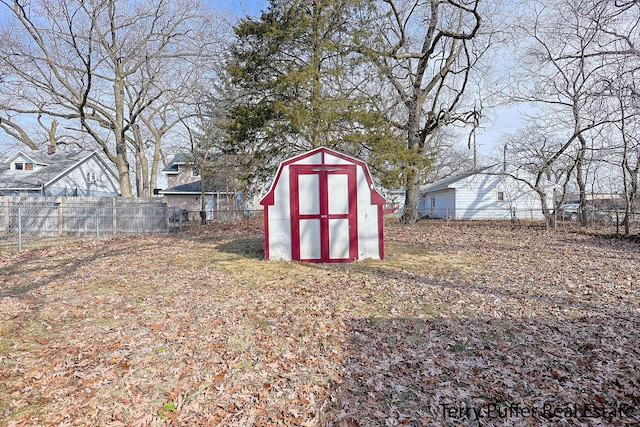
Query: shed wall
[
  {"x": 279, "y": 213},
  {"x": 368, "y": 220}
]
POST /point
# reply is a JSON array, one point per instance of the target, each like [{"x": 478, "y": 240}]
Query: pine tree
[{"x": 298, "y": 85}]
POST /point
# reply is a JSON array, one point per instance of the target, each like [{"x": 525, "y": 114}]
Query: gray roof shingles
[
  {"x": 194, "y": 188},
  {"x": 173, "y": 166},
  {"x": 56, "y": 164},
  {"x": 447, "y": 182}
]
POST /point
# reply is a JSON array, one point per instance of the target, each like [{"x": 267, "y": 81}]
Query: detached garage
[
  {"x": 322, "y": 207},
  {"x": 493, "y": 192}
]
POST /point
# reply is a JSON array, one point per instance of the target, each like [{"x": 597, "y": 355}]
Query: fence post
[
  {"x": 6, "y": 214},
  {"x": 97, "y": 221},
  {"x": 114, "y": 216},
  {"x": 58, "y": 203},
  {"x": 19, "y": 228},
  {"x": 174, "y": 220}
]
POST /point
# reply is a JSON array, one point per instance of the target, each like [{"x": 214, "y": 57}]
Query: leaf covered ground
[{"x": 470, "y": 324}]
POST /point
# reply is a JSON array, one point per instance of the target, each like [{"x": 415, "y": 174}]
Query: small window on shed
[{"x": 500, "y": 196}]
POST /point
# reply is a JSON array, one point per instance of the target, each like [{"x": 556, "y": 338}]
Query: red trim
[
  {"x": 324, "y": 216},
  {"x": 376, "y": 197},
  {"x": 294, "y": 207},
  {"x": 266, "y": 232},
  {"x": 380, "y": 232},
  {"x": 294, "y": 200}
]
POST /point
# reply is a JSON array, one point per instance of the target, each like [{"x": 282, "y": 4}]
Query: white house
[
  {"x": 486, "y": 193},
  {"x": 68, "y": 172},
  {"x": 322, "y": 207}
]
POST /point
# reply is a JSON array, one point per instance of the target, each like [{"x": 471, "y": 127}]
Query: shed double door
[{"x": 323, "y": 213}]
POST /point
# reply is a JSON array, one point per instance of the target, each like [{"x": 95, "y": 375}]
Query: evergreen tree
[{"x": 297, "y": 85}]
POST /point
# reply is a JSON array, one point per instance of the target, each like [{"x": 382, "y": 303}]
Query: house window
[
  {"x": 500, "y": 196},
  {"x": 22, "y": 166}
]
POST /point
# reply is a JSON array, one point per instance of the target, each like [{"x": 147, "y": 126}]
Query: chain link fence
[
  {"x": 179, "y": 219},
  {"x": 610, "y": 221},
  {"x": 30, "y": 220}
]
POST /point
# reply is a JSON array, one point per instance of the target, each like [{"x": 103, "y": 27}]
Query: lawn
[{"x": 470, "y": 324}]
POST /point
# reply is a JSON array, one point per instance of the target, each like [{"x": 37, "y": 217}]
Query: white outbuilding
[
  {"x": 322, "y": 206},
  {"x": 493, "y": 192}
]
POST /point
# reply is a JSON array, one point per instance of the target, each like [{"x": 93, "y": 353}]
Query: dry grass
[{"x": 196, "y": 329}]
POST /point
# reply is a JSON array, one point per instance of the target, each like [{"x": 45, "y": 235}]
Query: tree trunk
[
  {"x": 122, "y": 162},
  {"x": 203, "y": 199},
  {"x": 582, "y": 185},
  {"x": 155, "y": 165},
  {"x": 412, "y": 195}
]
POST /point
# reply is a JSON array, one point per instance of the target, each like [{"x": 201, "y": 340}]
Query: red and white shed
[{"x": 323, "y": 207}]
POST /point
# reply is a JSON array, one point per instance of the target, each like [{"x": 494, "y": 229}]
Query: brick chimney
[{"x": 51, "y": 149}]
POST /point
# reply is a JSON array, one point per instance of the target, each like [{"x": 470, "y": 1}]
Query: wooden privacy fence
[{"x": 59, "y": 216}]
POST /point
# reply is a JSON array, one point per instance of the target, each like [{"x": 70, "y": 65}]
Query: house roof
[
  {"x": 449, "y": 182},
  {"x": 194, "y": 188},
  {"x": 55, "y": 166},
  {"x": 174, "y": 164}
]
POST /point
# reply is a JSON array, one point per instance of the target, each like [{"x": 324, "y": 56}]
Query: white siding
[
  {"x": 335, "y": 160},
  {"x": 315, "y": 159},
  {"x": 280, "y": 219},
  {"x": 438, "y": 204},
  {"x": 77, "y": 179},
  {"x": 477, "y": 197},
  {"x": 368, "y": 233}
]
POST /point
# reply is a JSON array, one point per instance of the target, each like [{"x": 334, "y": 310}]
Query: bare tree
[
  {"x": 549, "y": 167},
  {"x": 561, "y": 75},
  {"x": 425, "y": 50},
  {"x": 98, "y": 65},
  {"x": 625, "y": 143},
  {"x": 619, "y": 25}
]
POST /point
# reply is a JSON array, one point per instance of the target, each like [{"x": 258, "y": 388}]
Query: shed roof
[{"x": 376, "y": 197}]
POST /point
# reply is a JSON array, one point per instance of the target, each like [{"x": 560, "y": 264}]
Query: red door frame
[{"x": 324, "y": 216}]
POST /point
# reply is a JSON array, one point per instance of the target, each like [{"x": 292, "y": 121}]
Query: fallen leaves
[{"x": 196, "y": 329}]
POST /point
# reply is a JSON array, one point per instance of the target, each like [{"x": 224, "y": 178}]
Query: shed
[{"x": 322, "y": 206}]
